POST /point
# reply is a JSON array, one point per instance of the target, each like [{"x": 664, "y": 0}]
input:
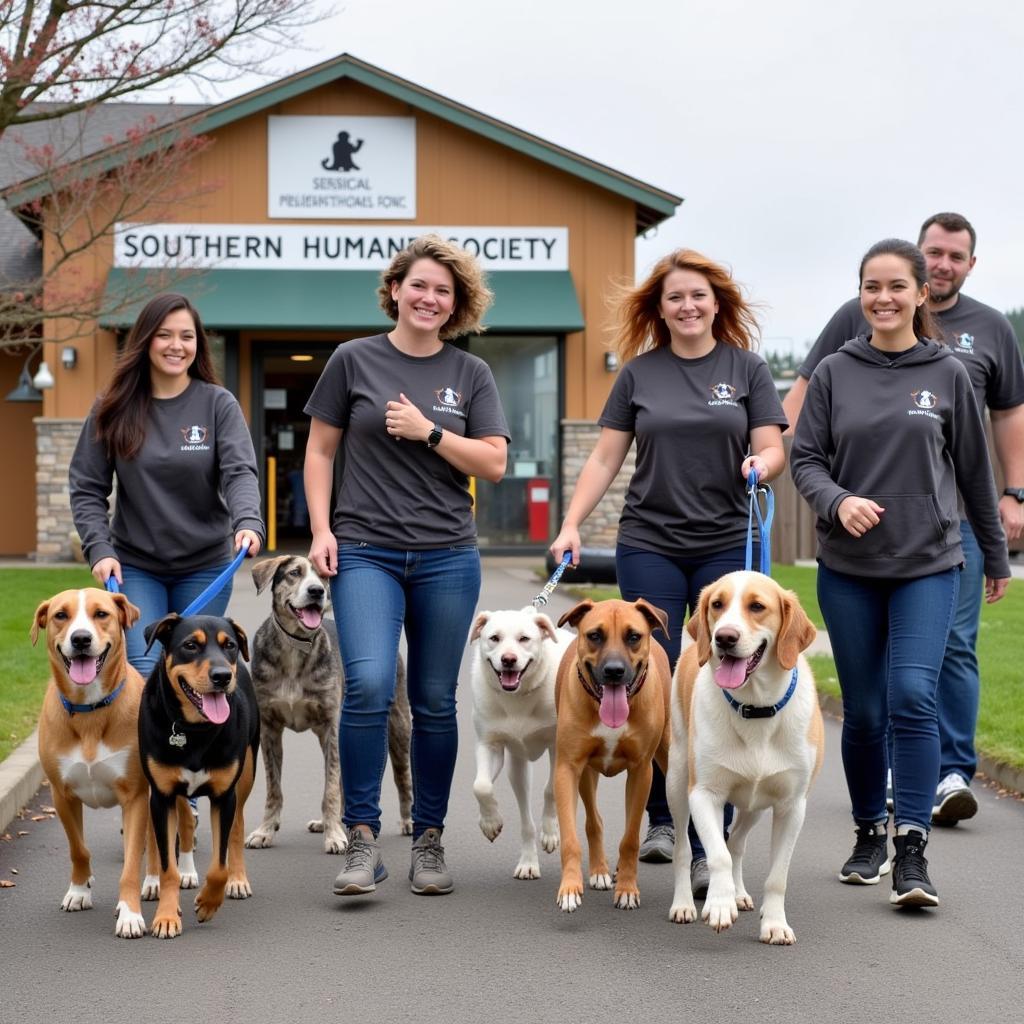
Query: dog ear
[
  {"x": 699, "y": 629},
  {"x": 478, "y": 626},
  {"x": 797, "y": 632},
  {"x": 655, "y": 616},
  {"x": 39, "y": 622},
  {"x": 263, "y": 571},
  {"x": 243, "y": 639},
  {"x": 573, "y": 615},
  {"x": 546, "y": 626},
  {"x": 126, "y": 611},
  {"x": 160, "y": 630}
]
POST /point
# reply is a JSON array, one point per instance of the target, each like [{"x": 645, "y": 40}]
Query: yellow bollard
[{"x": 271, "y": 503}]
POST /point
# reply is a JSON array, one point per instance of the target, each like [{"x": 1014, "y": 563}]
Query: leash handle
[
  {"x": 764, "y": 523},
  {"x": 549, "y": 588},
  {"x": 112, "y": 585},
  {"x": 217, "y": 585}
]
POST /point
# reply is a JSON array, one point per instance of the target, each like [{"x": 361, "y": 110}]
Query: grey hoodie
[{"x": 905, "y": 431}]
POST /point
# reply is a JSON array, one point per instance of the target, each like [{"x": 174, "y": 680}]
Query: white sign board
[
  {"x": 341, "y": 168},
  {"x": 326, "y": 246}
]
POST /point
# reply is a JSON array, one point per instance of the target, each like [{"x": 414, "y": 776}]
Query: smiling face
[
  {"x": 949, "y": 259},
  {"x": 510, "y": 642},
  {"x": 688, "y": 307},
  {"x": 172, "y": 350},
  {"x": 889, "y": 298},
  {"x": 425, "y": 297}
]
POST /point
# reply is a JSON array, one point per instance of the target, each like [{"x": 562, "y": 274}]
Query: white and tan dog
[
  {"x": 513, "y": 681},
  {"x": 746, "y": 730}
]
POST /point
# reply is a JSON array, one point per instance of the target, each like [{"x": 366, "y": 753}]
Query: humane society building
[{"x": 305, "y": 190}]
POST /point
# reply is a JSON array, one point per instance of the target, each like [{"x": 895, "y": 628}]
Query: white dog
[
  {"x": 513, "y": 680},
  {"x": 746, "y": 722}
]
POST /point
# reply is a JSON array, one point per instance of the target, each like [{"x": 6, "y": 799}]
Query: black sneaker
[
  {"x": 870, "y": 857},
  {"x": 911, "y": 886}
]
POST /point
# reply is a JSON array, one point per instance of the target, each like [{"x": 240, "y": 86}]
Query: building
[{"x": 308, "y": 187}]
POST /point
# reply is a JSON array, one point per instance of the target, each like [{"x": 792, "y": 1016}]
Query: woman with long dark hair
[{"x": 187, "y": 488}]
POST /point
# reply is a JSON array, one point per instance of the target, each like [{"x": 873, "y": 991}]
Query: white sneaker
[{"x": 954, "y": 801}]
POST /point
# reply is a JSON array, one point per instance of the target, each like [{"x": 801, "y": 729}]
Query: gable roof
[{"x": 653, "y": 205}]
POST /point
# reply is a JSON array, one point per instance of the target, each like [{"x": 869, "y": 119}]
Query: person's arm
[
  {"x": 793, "y": 403},
  {"x": 1008, "y": 435},
  {"x": 238, "y": 475},
  {"x": 90, "y": 482},
  {"x": 318, "y": 478},
  {"x": 600, "y": 469},
  {"x": 768, "y": 456}
]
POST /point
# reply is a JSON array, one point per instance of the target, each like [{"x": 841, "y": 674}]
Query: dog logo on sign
[{"x": 341, "y": 154}]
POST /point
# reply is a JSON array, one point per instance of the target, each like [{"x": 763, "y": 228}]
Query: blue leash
[
  {"x": 764, "y": 523},
  {"x": 549, "y": 588}
]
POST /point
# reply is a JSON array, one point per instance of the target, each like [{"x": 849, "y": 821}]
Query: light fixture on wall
[
  {"x": 43, "y": 378},
  {"x": 68, "y": 357},
  {"x": 25, "y": 391},
  {"x": 301, "y": 358},
  {"x": 611, "y": 361}
]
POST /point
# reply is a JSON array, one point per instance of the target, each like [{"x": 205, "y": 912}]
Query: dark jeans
[
  {"x": 888, "y": 639},
  {"x": 673, "y": 585}
]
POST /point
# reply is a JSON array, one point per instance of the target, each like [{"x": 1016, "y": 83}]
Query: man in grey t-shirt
[{"x": 982, "y": 338}]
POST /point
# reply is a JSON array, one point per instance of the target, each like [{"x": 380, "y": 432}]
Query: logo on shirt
[
  {"x": 723, "y": 394},
  {"x": 195, "y": 438},
  {"x": 449, "y": 400},
  {"x": 925, "y": 401},
  {"x": 965, "y": 342}
]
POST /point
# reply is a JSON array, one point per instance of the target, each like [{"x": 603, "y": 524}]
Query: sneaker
[
  {"x": 700, "y": 877},
  {"x": 363, "y": 865},
  {"x": 870, "y": 857},
  {"x": 658, "y": 846},
  {"x": 954, "y": 801},
  {"x": 890, "y": 800},
  {"x": 911, "y": 886},
  {"x": 428, "y": 874}
]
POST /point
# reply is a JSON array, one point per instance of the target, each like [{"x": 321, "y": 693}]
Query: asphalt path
[{"x": 498, "y": 948}]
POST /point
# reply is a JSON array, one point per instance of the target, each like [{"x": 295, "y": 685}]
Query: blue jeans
[
  {"x": 888, "y": 638},
  {"x": 434, "y": 594},
  {"x": 155, "y": 596},
  {"x": 673, "y": 584}
]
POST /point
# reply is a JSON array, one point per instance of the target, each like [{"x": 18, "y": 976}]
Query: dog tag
[{"x": 176, "y": 739}]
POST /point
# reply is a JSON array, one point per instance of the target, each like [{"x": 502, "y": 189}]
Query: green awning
[{"x": 524, "y": 300}]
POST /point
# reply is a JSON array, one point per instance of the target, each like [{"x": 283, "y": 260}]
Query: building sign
[
  {"x": 341, "y": 168},
  {"x": 325, "y": 246}
]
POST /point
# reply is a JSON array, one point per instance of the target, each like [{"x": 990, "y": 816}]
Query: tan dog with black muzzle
[{"x": 612, "y": 701}]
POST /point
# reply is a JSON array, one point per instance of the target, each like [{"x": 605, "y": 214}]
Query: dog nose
[
  {"x": 316, "y": 592},
  {"x": 81, "y": 639},
  {"x": 613, "y": 671},
  {"x": 727, "y": 638},
  {"x": 509, "y": 660},
  {"x": 220, "y": 678}
]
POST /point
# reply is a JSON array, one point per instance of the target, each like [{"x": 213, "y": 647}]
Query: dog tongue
[
  {"x": 510, "y": 678},
  {"x": 216, "y": 707},
  {"x": 732, "y": 672},
  {"x": 82, "y": 671},
  {"x": 614, "y": 708},
  {"x": 310, "y": 617}
]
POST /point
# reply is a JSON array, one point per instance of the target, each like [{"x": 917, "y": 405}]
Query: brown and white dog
[
  {"x": 746, "y": 730},
  {"x": 612, "y": 698},
  {"x": 89, "y": 739}
]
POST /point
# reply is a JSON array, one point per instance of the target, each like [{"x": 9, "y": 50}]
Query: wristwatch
[
  {"x": 434, "y": 437},
  {"x": 1015, "y": 492}
]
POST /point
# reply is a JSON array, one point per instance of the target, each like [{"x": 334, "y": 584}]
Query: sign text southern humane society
[{"x": 326, "y": 247}]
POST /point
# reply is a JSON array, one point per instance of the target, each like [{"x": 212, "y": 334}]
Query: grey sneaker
[
  {"x": 700, "y": 877},
  {"x": 657, "y": 847},
  {"x": 954, "y": 801},
  {"x": 363, "y": 866},
  {"x": 428, "y": 875}
]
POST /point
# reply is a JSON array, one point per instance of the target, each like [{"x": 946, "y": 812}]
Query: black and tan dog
[
  {"x": 199, "y": 733},
  {"x": 612, "y": 700}
]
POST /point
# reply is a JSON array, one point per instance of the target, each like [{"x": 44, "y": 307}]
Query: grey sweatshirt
[
  {"x": 181, "y": 500},
  {"x": 905, "y": 431}
]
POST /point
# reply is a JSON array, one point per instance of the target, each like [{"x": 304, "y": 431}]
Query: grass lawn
[
  {"x": 1000, "y": 733},
  {"x": 26, "y": 668}
]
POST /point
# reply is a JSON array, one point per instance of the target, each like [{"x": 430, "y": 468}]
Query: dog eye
[
  {"x": 296, "y": 573},
  {"x": 595, "y": 636},
  {"x": 101, "y": 614},
  {"x": 717, "y": 605},
  {"x": 190, "y": 645},
  {"x": 495, "y": 638},
  {"x": 60, "y": 616},
  {"x": 756, "y": 606},
  {"x": 229, "y": 645},
  {"x": 632, "y": 638},
  {"x": 524, "y": 639}
]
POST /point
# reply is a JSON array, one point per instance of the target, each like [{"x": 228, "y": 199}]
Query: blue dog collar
[
  {"x": 770, "y": 711},
  {"x": 72, "y": 709}
]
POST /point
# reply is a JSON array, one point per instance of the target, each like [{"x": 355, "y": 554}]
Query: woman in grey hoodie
[{"x": 890, "y": 432}]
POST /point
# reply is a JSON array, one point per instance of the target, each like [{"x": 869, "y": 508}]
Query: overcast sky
[{"x": 798, "y": 132}]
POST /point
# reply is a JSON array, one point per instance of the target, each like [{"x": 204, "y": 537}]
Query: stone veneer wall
[
  {"x": 578, "y": 440},
  {"x": 55, "y": 444}
]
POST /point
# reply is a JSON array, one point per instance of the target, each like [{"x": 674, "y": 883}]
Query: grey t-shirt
[
  {"x": 692, "y": 420},
  {"x": 181, "y": 500},
  {"x": 401, "y": 494}
]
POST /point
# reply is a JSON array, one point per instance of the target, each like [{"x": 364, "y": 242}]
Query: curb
[{"x": 20, "y": 776}]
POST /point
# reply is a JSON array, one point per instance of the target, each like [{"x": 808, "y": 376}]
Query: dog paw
[
  {"x": 261, "y": 838},
  {"x": 491, "y": 826},
  {"x": 405, "y": 826},
  {"x": 129, "y": 924},
  {"x": 570, "y": 898},
  {"x": 166, "y": 926},
  {"x": 238, "y": 888},
  {"x": 777, "y": 933},
  {"x": 206, "y": 905},
  {"x": 316, "y": 825},
  {"x": 744, "y": 901},
  {"x": 719, "y": 911},
  {"x": 683, "y": 913},
  {"x": 188, "y": 872},
  {"x": 335, "y": 840},
  {"x": 78, "y": 897},
  {"x": 549, "y": 836},
  {"x": 627, "y": 899},
  {"x": 601, "y": 880},
  {"x": 528, "y": 867},
  {"x": 151, "y": 888}
]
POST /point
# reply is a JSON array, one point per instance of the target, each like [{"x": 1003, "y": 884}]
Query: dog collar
[
  {"x": 293, "y": 641},
  {"x": 763, "y": 711},
  {"x": 81, "y": 709},
  {"x": 638, "y": 682}
]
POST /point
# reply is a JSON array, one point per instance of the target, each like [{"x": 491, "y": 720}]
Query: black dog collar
[
  {"x": 293, "y": 641},
  {"x": 763, "y": 711}
]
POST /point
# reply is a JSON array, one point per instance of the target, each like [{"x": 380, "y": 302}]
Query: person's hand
[
  {"x": 1011, "y": 512},
  {"x": 252, "y": 538},
  {"x": 756, "y": 463},
  {"x": 323, "y": 553},
  {"x": 567, "y": 540},
  {"x": 858, "y": 515},
  {"x": 104, "y": 569},
  {"x": 995, "y": 589},
  {"x": 403, "y": 420}
]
